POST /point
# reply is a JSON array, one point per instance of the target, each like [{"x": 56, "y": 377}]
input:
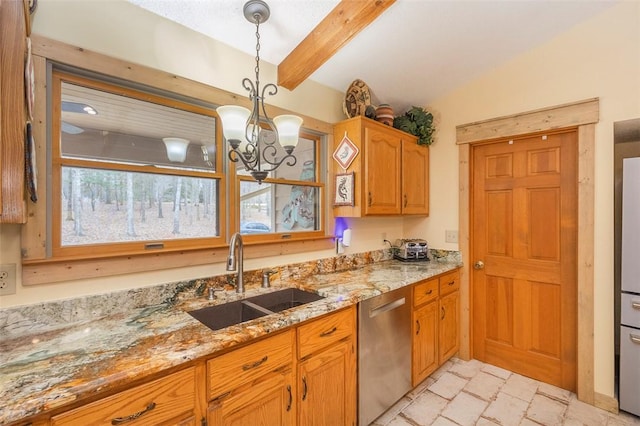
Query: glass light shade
[
  {"x": 288, "y": 127},
  {"x": 176, "y": 149},
  {"x": 234, "y": 121}
]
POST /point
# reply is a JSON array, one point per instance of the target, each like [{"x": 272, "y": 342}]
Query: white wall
[
  {"x": 599, "y": 58},
  {"x": 122, "y": 30}
]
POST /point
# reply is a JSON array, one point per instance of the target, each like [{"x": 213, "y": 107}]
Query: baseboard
[{"x": 606, "y": 402}]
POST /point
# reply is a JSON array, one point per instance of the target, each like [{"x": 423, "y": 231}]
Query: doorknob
[{"x": 478, "y": 265}]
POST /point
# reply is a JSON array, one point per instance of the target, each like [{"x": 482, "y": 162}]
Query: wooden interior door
[{"x": 524, "y": 243}]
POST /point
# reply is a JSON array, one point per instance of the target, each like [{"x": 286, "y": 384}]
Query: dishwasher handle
[{"x": 387, "y": 307}]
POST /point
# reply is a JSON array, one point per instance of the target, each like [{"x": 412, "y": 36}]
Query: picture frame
[
  {"x": 345, "y": 152},
  {"x": 344, "y": 189}
]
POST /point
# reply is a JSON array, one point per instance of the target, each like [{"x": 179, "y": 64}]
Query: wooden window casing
[
  {"x": 40, "y": 266},
  {"x": 59, "y": 161}
]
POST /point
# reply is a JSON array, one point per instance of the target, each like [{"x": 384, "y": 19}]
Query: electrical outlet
[
  {"x": 450, "y": 236},
  {"x": 7, "y": 279}
]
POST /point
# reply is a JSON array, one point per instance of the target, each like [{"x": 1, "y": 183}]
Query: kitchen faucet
[{"x": 236, "y": 239}]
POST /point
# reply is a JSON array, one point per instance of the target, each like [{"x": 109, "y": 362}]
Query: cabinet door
[
  {"x": 382, "y": 172},
  {"x": 327, "y": 387},
  {"x": 415, "y": 178},
  {"x": 268, "y": 401},
  {"x": 449, "y": 325},
  {"x": 153, "y": 403},
  {"x": 12, "y": 115},
  {"x": 425, "y": 342}
]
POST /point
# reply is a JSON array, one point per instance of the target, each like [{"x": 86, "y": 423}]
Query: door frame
[{"x": 582, "y": 115}]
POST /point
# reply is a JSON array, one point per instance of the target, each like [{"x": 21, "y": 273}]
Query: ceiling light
[
  {"x": 78, "y": 107},
  {"x": 241, "y": 126},
  {"x": 176, "y": 149}
]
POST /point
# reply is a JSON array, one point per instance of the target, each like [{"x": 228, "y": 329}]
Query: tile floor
[{"x": 474, "y": 393}]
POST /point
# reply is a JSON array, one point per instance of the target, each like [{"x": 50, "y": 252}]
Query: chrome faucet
[{"x": 236, "y": 239}]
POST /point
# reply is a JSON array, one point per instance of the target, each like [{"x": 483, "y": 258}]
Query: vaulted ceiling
[{"x": 414, "y": 52}]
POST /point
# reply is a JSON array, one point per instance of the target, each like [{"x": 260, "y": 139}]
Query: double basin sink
[{"x": 232, "y": 313}]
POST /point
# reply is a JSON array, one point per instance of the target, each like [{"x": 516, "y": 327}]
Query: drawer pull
[
  {"x": 429, "y": 292},
  {"x": 635, "y": 305},
  {"x": 329, "y": 332},
  {"x": 224, "y": 395},
  {"x": 417, "y": 327},
  {"x": 120, "y": 420},
  {"x": 290, "y": 398},
  {"x": 255, "y": 364},
  {"x": 451, "y": 283},
  {"x": 304, "y": 388},
  {"x": 443, "y": 312},
  {"x": 635, "y": 338}
]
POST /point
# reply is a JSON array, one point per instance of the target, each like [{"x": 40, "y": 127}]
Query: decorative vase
[{"x": 384, "y": 114}]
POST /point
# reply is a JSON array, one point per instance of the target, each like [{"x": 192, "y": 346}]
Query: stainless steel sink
[{"x": 228, "y": 314}]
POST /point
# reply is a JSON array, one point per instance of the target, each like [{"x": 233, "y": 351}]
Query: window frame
[
  {"x": 38, "y": 265},
  {"x": 320, "y": 183},
  {"x": 58, "y": 161}
]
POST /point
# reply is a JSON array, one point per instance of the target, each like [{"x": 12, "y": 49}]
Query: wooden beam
[{"x": 346, "y": 20}]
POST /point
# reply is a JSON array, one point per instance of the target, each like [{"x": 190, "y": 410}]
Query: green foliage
[{"x": 417, "y": 122}]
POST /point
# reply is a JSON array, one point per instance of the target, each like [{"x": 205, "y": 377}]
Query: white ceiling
[{"x": 413, "y": 53}]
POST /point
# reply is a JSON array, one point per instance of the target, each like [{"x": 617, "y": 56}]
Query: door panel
[{"x": 524, "y": 221}]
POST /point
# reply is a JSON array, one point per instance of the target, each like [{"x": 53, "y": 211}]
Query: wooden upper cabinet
[
  {"x": 391, "y": 172},
  {"x": 415, "y": 178},
  {"x": 13, "y": 31}
]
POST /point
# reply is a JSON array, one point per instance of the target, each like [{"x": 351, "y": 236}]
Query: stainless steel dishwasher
[{"x": 384, "y": 352}]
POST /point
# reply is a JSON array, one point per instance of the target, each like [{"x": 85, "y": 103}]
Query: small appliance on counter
[{"x": 411, "y": 250}]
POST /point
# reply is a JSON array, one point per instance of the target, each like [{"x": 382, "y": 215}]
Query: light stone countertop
[{"x": 54, "y": 354}]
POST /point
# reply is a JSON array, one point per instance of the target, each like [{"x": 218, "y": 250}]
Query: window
[
  {"x": 132, "y": 171},
  {"x": 288, "y": 204}
]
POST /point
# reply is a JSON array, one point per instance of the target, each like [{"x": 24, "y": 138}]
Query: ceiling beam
[{"x": 346, "y": 20}]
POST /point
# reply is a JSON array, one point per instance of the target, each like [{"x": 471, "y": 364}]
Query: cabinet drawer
[
  {"x": 449, "y": 283},
  {"x": 325, "y": 331},
  {"x": 233, "y": 369},
  {"x": 424, "y": 292},
  {"x": 150, "y": 404}
]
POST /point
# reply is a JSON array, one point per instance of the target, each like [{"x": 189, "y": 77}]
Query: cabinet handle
[
  {"x": 405, "y": 200},
  {"x": 304, "y": 388},
  {"x": 219, "y": 397},
  {"x": 328, "y": 332},
  {"x": 255, "y": 364},
  {"x": 290, "y": 398},
  {"x": 635, "y": 305},
  {"x": 451, "y": 283},
  {"x": 429, "y": 292},
  {"x": 443, "y": 312},
  {"x": 370, "y": 199},
  {"x": 634, "y": 338},
  {"x": 417, "y": 327},
  {"x": 120, "y": 420}
]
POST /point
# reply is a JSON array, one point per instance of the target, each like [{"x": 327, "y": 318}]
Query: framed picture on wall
[{"x": 343, "y": 195}]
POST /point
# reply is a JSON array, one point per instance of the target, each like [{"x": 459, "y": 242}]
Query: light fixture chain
[{"x": 257, "y": 17}]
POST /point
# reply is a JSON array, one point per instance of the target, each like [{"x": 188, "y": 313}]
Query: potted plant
[{"x": 417, "y": 122}]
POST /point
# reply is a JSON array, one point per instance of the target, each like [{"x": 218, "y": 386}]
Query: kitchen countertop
[{"x": 43, "y": 370}]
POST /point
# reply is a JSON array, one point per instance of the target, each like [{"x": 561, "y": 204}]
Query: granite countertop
[{"x": 44, "y": 366}]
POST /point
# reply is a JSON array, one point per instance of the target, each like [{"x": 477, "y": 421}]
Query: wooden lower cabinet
[
  {"x": 436, "y": 324},
  {"x": 326, "y": 388},
  {"x": 253, "y": 385},
  {"x": 449, "y": 336},
  {"x": 327, "y": 370},
  {"x": 268, "y": 401},
  {"x": 167, "y": 401},
  {"x": 426, "y": 358}
]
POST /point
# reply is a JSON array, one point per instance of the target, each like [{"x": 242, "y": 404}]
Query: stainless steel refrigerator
[{"x": 630, "y": 285}]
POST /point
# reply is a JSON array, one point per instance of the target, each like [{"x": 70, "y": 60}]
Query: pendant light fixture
[{"x": 241, "y": 126}]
